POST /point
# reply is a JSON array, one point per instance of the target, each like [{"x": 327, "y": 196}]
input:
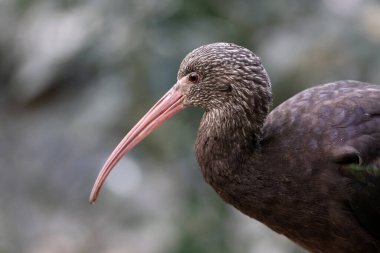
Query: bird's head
[
  {"x": 213, "y": 76},
  {"x": 219, "y": 75}
]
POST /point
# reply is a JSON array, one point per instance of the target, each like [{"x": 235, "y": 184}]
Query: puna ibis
[{"x": 309, "y": 169}]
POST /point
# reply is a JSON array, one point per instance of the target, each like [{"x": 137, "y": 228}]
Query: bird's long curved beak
[{"x": 166, "y": 107}]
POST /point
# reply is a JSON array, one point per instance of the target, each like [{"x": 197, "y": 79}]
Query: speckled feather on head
[{"x": 310, "y": 169}]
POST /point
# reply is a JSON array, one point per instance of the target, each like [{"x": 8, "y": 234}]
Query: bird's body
[
  {"x": 310, "y": 169},
  {"x": 293, "y": 180}
]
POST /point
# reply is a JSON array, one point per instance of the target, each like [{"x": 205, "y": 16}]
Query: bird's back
[
  {"x": 334, "y": 130},
  {"x": 335, "y": 119}
]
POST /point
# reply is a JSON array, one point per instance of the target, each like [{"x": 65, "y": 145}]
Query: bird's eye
[{"x": 193, "y": 77}]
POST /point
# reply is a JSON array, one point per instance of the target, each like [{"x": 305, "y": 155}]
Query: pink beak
[{"x": 166, "y": 107}]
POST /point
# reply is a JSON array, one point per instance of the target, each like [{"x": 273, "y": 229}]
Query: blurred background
[{"x": 76, "y": 75}]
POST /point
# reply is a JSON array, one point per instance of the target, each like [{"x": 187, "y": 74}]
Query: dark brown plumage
[{"x": 309, "y": 170}]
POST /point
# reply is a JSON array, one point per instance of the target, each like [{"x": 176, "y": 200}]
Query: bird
[{"x": 308, "y": 169}]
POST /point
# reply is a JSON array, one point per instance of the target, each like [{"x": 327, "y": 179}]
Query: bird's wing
[
  {"x": 357, "y": 151},
  {"x": 340, "y": 120},
  {"x": 365, "y": 202},
  {"x": 360, "y": 161}
]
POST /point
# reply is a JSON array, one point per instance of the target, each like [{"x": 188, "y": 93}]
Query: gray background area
[{"x": 76, "y": 75}]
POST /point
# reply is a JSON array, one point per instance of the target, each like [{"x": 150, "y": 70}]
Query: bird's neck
[
  {"x": 227, "y": 139},
  {"x": 229, "y": 152},
  {"x": 231, "y": 157}
]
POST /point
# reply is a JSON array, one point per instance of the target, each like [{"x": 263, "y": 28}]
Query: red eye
[{"x": 193, "y": 77}]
